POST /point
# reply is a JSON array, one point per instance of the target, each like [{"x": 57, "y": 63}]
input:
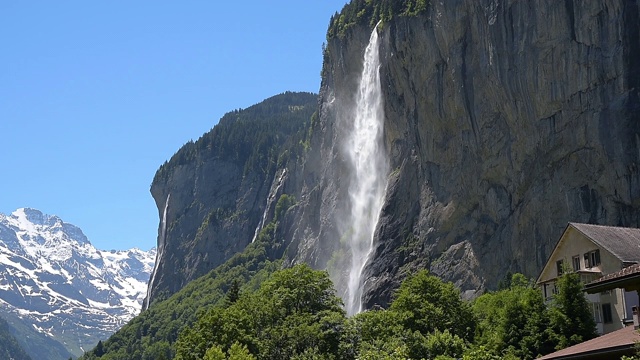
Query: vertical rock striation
[
  {"x": 504, "y": 121},
  {"x": 215, "y": 192}
]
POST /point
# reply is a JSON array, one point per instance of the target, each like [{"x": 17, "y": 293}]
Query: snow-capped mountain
[{"x": 55, "y": 280}]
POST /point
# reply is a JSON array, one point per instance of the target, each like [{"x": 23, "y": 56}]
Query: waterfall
[
  {"x": 271, "y": 198},
  {"x": 159, "y": 253},
  {"x": 369, "y": 170}
]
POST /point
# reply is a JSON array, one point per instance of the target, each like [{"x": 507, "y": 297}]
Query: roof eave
[
  {"x": 546, "y": 264},
  {"x": 622, "y": 349}
]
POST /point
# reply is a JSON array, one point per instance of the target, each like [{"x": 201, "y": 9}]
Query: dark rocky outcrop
[{"x": 504, "y": 121}]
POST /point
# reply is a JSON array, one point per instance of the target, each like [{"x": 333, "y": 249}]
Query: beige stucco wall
[{"x": 574, "y": 243}]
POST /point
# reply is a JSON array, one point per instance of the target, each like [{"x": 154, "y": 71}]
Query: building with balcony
[{"x": 594, "y": 251}]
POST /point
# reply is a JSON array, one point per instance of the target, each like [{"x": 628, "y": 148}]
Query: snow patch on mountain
[{"x": 53, "y": 278}]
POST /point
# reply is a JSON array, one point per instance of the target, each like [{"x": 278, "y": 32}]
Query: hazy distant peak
[
  {"x": 36, "y": 217},
  {"x": 52, "y": 277},
  {"x": 33, "y": 221}
]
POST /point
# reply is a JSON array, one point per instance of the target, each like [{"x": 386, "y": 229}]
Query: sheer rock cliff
[
  {"x": 215, "y": 194},
  {"x": 504, "y": 121}
]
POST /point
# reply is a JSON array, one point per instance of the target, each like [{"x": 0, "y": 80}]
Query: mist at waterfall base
[{"x": 368, "y": 168}]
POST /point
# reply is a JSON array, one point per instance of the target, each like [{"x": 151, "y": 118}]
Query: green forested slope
[
  {"x": 260, "y": 136},
  {"x": 295, "y": 314},
  {"x": 153, "y": 333},
  {"x": 9, "y": 346},
  {"x": 36, "y": 344}
]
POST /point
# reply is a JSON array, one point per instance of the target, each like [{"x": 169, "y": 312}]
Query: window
[
  {"x": 592, "y": 258},
  {"x": 606, "y": 313},
  {"x": 597, "y": 314},
  {"x": 595, "y": 257},
  {"x": 576, "y": 262},
  {"x": 559, "y": 267}
]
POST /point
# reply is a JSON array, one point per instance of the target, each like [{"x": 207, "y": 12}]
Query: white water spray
[
  {"x": 159, "y": 253},
  {"x": 369, "y": 169}
]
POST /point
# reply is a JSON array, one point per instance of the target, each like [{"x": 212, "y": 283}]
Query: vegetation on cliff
[
  {"x": 260, "y": 137},
  {"x": 221, "y": 183},
  {"x": 369, "y": 13},
  {"x": 152, "y": 334}
]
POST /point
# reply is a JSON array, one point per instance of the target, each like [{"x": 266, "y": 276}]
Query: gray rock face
[
  {"x": 222, "y": 188},
  {"x": 505, "y": 120},
  {"x": 200, "y": 192}
]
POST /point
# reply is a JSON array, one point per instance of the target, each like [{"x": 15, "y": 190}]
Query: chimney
[{"x": 636, "y": 322}]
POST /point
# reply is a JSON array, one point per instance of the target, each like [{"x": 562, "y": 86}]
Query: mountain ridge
[{"x": 54, "y": 280}]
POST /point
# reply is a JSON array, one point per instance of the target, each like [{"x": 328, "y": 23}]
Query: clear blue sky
[{"x": 96, "y": 95}]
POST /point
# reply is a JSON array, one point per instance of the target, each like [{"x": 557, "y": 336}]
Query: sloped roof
[
  {"x": 618, "y": 340},
  {"x": 625, "y": 278},
  {"x": 625, "y": 272},
  {"x": 622, "y": 242}
]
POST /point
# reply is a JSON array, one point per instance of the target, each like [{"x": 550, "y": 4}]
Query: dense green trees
[
  {"x": 427, "y": 319},
  {"x": 427, "y": 304},
  {"x": 236, "y": 352},
  {"x": 513, "y": 321},
  {"x": 295, "y": 314}
]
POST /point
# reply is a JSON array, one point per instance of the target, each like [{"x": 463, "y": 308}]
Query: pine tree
[
  {"x": 233, "y": 293},
  {"x": 99, "y": 350},
  {"x": 571, "y": 318}
]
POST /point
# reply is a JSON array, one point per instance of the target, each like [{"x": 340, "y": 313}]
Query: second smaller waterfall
[{"x": 161, "y": 241}]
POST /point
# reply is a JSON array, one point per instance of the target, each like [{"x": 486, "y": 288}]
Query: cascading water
[
  {"x": 273, "y": 193},
  {"x": 159, "y": 253},
  {"x": 369, "y": 171}
]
